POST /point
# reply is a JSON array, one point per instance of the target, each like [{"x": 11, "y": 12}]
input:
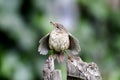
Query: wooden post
[
  {"x": 48, "y": 71},
  {"x": 76, "y": 70},
  {"x": 79, "y": 70}
]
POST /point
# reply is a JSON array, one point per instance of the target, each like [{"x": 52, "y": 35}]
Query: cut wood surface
[{"x": 76, "y": 70}]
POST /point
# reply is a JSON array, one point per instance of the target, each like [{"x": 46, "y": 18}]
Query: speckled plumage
[{"x": 59, "y": 40}]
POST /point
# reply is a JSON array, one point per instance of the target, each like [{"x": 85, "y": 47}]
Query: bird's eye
[{"x": 57, "y": 26}]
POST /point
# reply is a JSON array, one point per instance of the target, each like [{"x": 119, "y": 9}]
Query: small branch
[
  {"x": 79, "y": 70},
  {"x": 49, "y": 73}
]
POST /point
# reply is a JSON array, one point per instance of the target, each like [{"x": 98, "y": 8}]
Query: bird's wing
[
  {"x": 43, "y": 46},
  {"x": 74, "y": 45}
]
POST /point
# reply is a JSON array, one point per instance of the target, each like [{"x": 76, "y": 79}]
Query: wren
[{"x": 59, "y": 40}]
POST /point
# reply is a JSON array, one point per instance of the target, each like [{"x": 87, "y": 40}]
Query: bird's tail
[{"x": 60, "y": 56}]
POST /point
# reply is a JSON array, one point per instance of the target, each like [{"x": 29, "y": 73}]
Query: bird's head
[{"x": 58, "y": 27}]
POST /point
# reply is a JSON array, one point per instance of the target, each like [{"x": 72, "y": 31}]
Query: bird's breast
[{"x": 59, "y": 41}]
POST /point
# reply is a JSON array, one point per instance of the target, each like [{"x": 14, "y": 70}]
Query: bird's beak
[{"x": 54, "y": 25}]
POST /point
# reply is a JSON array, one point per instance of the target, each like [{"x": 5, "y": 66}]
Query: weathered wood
[
  {"x": 48, "y": 71},
  {"x": 76, "y": 70},
  {"x": 79, "y": 70}
]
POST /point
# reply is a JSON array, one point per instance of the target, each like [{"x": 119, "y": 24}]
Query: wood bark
[
  {"x": 76, "y": 70},
  {"x": 79, "y": 70},
  {"x": 49, "y": 73}
]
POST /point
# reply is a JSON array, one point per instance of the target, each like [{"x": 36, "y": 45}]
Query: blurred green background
[{"x": 96, "y": 23}]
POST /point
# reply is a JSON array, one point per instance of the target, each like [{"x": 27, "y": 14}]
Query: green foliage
[{"x": 24, "y": 22}]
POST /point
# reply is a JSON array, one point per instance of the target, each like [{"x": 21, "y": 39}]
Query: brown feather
[
  {"x": 43, "y": 46},
  {"x": 74, "y": 45}
]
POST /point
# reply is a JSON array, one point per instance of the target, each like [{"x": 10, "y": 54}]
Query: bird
[{"x": 59, "y": 40}]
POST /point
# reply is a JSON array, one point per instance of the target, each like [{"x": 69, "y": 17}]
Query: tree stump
[
  {"x": 48, "y": 71},
  {"x": 76, "y": 70},
  {"x": 79, "y": 70}
]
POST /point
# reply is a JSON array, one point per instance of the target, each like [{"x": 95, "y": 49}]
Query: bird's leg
[
  {"x": 54, "y": 55},
  {"x": 69, "y": 56},
  {"x": 60, "y": 56}
]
